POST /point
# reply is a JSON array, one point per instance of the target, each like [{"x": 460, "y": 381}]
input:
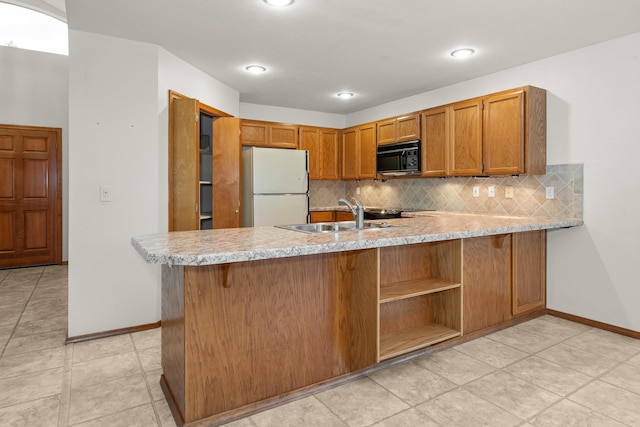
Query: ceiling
[{"x": 381, "y": 50}]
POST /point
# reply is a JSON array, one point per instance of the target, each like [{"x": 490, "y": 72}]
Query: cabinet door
[
  {"x": 367, "y": 137},
  {"x": 435, "y": 141},
  {"x": 408, "y": 128},
  {"x": 226, "y": 173},
  {"x": 284, "y": 136},
  {"x": 503, "y": 133},
  {"x": 465, "y": 136},
  {"x": 486, "y": 281},
  {"x": 330, "y": 150},
  {"x": 309, "y": 140},
  {"x": 350, "y": 153},
  {"x": 529, "y": 271},
  {"x": 386, "y": 132},
  {"x": 320, "y": 216},
  {"x": 253, "y": 133},
  {"x": 343, "y": 216},
  {"x": 185, "y": 168}
]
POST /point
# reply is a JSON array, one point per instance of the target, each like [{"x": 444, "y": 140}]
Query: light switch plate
[
  {"x": 105, "y": 193},
  {"x": 550, "y": 193},
  {"x": 476, "y": 191},
  {"x": 492, "y": 191},
  {"x": 508, "y": 192}
]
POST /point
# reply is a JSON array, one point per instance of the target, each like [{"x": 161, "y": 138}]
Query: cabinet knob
[{"x": 237, "y": 210}]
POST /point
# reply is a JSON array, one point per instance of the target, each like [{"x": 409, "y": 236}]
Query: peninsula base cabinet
[
  {"x": 504, "y": 277},
  {"x": 243, "y": 336}
]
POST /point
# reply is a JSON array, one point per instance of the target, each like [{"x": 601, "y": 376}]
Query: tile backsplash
[{"x": 456, "y": 194}]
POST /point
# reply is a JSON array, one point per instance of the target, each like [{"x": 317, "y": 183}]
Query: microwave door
[{"x": 389, "y": 162}]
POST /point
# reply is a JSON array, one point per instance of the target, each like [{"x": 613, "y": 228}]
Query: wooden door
[
  {"x": 529, "y": 271},
  {"x": 408, "y": 127},
  {"x": 486, "y": 281},
  {"x": 309, "y": 140},
  {"x": 226, "y": 173},
  {"x": 367, "y": 136},
  {"x": 350, "y": 153},
  {"x": 254, "y": 133},
  {"x": 386, "y": 132},
  {"x": 465, "y": 142},
  {"x": 30, "y": 196},
  {"x": 330, "y": 150},
  {"x": 503, "y": 133},
  {"x": 184, "y": 172},
  {"x": 283, "y": 136},
  {"x": 435, "y": 141}
]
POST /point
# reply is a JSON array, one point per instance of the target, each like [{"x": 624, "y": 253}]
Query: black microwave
[{"x": 400, "y": 158}]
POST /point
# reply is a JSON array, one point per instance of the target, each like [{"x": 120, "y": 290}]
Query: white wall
[
  {"x": 34, "y": 91},
  {"x": 593, "y": 118},
  {"x": 113, "y": 141},
  {"x": 118, "y": 121},
  {"x": 291, "y": 115}
]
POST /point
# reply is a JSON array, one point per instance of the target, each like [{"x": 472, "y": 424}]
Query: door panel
[
  {"x": 35, "y": 230},
  {"x": 226, "y": 173},
  {"x": 7, "y": 231},
  {"x": 35, "y": 179},
  {"x": 30, "y": 217},
  {"x": 185, "y": 168},
  {"x": 6, "y": 179}
]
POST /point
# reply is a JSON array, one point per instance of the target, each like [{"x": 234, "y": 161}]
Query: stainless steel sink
[{"x": 334, "y": 227}]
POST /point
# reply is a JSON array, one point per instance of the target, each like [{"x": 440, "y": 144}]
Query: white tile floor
[{"x": 545, "y": 372}]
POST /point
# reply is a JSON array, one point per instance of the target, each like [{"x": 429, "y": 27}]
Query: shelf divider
[
  {"x": 412, "y": 288},
  {"x": 410, "y": 339}
]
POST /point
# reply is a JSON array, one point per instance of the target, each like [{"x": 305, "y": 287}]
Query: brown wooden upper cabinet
[
  {"x": 359, "y": 152},
  {"x": 399, "y": 129},
  {"x": 323, "y": 145},
  {"x": 268, "y": 134},
  {"x": 499, "y": 134}
]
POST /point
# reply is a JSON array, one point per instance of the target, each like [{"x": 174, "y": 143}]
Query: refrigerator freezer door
[
  {"x": 280, "y": 209},
  {"x": 279, "y": 171}
]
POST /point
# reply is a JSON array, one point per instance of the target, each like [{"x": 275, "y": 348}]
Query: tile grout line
[
  {"x": 146, "y": 382},
  {"x": 65, "y": 395},
  {"x": 13, "y": 331}
]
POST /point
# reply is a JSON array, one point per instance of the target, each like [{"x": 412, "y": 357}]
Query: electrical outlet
[
  {"x": 508, "y": 192},
  {"x": 550, "y": 193},
  {"x": 492, "y": 191},
  {"x": 476, "y": 191},
  {"x": 105, "y": 193}
]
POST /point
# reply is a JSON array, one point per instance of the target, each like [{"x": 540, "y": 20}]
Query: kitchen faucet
[{"x": 358, "y": 211}]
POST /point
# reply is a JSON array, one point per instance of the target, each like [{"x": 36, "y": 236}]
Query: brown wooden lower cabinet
[
  {"x": 504, "y": 276},
  {"x": 330, "y": 216},
  {"x": 241, "y": 335}
]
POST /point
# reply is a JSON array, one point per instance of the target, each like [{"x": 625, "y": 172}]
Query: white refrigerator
[{"x": 275, "y": 186}]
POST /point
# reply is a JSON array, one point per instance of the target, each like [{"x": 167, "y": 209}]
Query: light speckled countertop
[{"x": 245, "y": 244}]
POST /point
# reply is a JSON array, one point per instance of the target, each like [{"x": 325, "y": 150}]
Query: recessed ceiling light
[
  {"x": 279, "y": 3},
  {"x": 345, "y": 95},
  {"x": 255, "y": 69},
  {"x": 462, "y": 53}
]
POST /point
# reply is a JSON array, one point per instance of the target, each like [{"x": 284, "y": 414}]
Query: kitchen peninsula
[{"x": 251, "y": 316}]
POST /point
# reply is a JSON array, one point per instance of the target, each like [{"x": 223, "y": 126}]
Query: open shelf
[
  {"x": 412, "y": 288},
  {"x": 406, "y": 340},
  {"x": 420, "y": 299}
]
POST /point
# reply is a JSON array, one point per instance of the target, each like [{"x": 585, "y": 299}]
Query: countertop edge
[{"x": 182, "y": 257}]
